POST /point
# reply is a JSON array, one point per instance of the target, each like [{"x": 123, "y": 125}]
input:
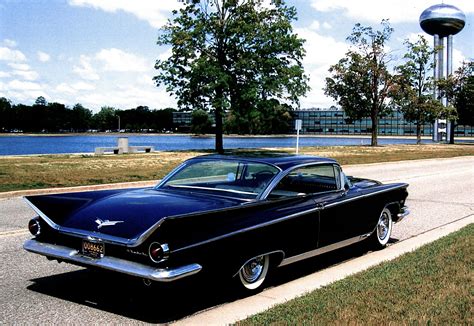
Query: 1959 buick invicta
[{"x": 236, "y": 216}]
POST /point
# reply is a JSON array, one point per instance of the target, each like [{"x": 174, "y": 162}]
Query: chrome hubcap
[
  {"x": 383, "y": 226},
  {"x": 253, "y": 269}
]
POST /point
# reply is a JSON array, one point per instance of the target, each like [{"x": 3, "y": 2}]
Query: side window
[{"x": 307, "y": 180}]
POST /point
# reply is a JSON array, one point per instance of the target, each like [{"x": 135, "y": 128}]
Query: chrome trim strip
[
  {"x": 404, "y": 212},
  {"x": 112, "y": 263},
  {"x": 322, "y": 250},
  {"x": 367, "y": 195},
  {"x": 42, "y": 215},
  {"x": 216, "y": 189}
]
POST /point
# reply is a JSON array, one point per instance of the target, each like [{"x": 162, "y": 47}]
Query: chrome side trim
[
  {"x": 323, "y": 250},
  {"x": 111, "y": 263},
  {"x": 404, "y": 212},
  {"x": 366, "y": 195}
]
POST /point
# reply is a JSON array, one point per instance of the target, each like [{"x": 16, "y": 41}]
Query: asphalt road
[{"x": 35, "y": 290}]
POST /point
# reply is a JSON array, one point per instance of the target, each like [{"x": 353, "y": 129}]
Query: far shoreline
[{"x": 116, "y": 134}]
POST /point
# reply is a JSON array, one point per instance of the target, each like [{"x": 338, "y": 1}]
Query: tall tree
[
  {"x": 459, "y": 90},
  {"x": 413, "y": 91},
  {"x": 232, "y": 55},
  {"x": 360, "y": 81}
]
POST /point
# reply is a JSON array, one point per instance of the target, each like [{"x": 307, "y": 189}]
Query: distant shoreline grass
[
  {"x": 66, "y": 170},
  {"x": 432, "y": 285}
]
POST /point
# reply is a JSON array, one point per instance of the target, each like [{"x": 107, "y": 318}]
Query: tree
[
  {"x": 413, "y": 91},
  {"x": 458, "y": 88},
  {"x": 106, "y": 119},
  {"x": 40, "y": 100},
  {"x": 81, "y": 118},
  {"x": 6, "y": 114},
  {"x": 271, "y": 118},
  {"x": 200, "y": 122},
  {"x": 232, "y": 55},
  {"x": 360, "y": 81}
]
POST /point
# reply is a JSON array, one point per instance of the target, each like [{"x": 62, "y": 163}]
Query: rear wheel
[
  {"x": 383, "y": 229},
  {"x": 253, "y": 273}
]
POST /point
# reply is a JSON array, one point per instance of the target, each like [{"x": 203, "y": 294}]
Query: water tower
[{"x": 442, "y": 21}]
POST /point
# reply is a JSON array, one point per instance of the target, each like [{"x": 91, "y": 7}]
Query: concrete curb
[
  {"x": 122, "y": 185},
  {"x": 241, "y": 309}
]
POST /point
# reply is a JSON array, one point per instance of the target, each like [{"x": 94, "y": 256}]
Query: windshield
[{"x": 234, "y": 178}]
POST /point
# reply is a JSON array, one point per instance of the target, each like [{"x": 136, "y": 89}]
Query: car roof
[{"x": 283, "y": 161}]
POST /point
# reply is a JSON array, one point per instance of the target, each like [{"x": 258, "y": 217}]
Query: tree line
[{"x": 57, "y": 117}]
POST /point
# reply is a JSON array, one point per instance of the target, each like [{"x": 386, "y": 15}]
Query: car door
[
  {"x": 345, "y": 215},
  {"x": 313, "y": 184}
]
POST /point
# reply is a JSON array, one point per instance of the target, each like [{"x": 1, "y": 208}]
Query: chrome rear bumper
[
  {"x": 403, "y": 213},
  {"x": 114, "y": 264}
]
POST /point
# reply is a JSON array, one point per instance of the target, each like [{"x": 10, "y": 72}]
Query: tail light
[
  {"x": 158, "y": 252},
  {"x": 34, "y": 226}
]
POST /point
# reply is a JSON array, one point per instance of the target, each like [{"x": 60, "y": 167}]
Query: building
[{"x": 335, "y": 122}]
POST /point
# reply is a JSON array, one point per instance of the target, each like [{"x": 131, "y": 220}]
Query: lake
[{"x": 25, "y": 145}]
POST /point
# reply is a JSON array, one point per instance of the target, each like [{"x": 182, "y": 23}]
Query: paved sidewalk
[{"x": 238, "y": 310}]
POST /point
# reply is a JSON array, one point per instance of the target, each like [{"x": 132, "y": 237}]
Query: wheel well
[
  {"x": 276, "y": 257},
  {"x": 394, "y": 209}
]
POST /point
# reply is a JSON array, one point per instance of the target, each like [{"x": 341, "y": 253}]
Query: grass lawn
[
  {"x": 432, "y": 285},
  {"x": 46, "y": 171}
]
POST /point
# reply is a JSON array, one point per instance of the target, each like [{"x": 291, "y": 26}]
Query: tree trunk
[
  {"x": 418, "y": 133},
  {"x": 451, "y": 132},
  {"x": 374, "y": 119},
  {"x": 218, "y": 118}
]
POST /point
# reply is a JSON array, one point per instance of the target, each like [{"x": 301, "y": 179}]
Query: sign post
[{"x": 298, "y": 123}]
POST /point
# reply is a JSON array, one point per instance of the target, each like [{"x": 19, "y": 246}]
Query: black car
[{"x": 237, "y": 216}]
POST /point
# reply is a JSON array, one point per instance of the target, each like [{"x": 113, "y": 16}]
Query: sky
[{"x": 102, "y": 52}]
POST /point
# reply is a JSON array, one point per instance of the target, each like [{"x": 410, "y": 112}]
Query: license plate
[{"x": 93, "y": 249}]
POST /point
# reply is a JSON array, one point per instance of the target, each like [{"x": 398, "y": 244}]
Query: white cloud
[
  {"x": 74, "y": 88},
  {"x": 23, "y": 70},
  {"x": 321, "y": 52},
  {"x": 9, "y": 43},
  {"x": 85, "y": 69},
  {"x": 315, "y": 25},
  {"x": 4, "y": 74},
  {"x": 458, "y": 59},
  {"x": 7, "y": 54},
  {"x": 26, "y": 74},
  {"x": 43, "y": 56},
  {"x": 397, "y": 11},
  {"x": 153, "y": 11},
  {"x": 326, "y": 25},
  {"x": 118, "y": 60},
  {"x": 19, "y": 66},
  {"x": 65, "y": 88},
  {"x": 24, "y": 85},
  {"x": 82, "y": 86}
]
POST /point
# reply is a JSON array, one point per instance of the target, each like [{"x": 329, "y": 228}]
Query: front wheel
[
  {"x": 383, "y": 229},
  {"x": 253, "y": 273}
]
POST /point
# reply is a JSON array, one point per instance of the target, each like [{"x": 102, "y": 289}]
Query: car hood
[{"x": 126, "y": 214}]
